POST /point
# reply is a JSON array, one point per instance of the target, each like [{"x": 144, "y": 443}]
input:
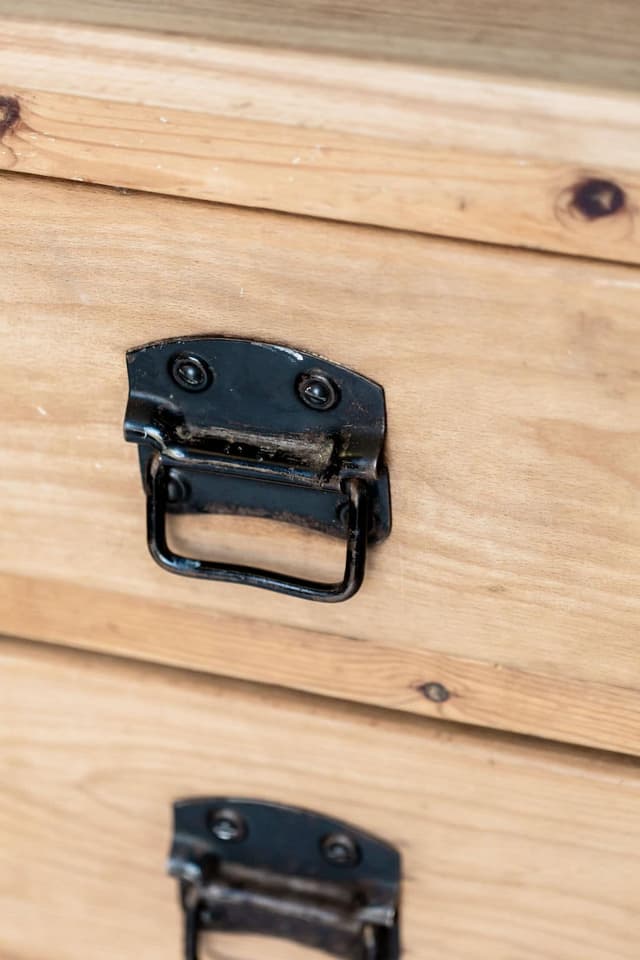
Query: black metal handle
[
  {"x": 357, "y": 535},
  {"x": 191, "y": 931},
  {"x": 259, "y": 429},
  {"x": 254, "y": 867}
]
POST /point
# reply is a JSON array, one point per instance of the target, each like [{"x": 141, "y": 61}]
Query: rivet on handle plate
[
  {"x": 247, "y": 866},
  {"x": 259, "y": 429}
]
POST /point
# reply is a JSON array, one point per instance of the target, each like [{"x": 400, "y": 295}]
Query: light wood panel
[
  {"x": 512, "y": 572},
  {"x": 510, "y": 849},
  {"x": 414, "y": 118},
  {"x": 566, "y": 41}
]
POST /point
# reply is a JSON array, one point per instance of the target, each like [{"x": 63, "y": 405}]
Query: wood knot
[
  {"x": 595, "y": 198},
  {"x": 436, "y": 692},
  {"x": 9, "y": 114}
]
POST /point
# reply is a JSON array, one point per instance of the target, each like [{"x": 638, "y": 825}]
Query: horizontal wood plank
[
  {"x": 481, "y": 693},
  {"x": 510, "y": 849},
  {"x": 445, "y": 136},
  {"x": 512, "y": 386},
  {"x": 566, "y": 41}
]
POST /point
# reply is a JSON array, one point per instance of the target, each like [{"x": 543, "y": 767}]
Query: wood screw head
[
  {"x": 317, "y": 390},
  {"x": 340, "y": 850},
  {"x": 191, "y": 372},
  {"x": 227, "y": 825}
]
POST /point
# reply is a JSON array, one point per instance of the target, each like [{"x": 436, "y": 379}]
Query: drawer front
[
  {"x": 511, "y": 850},
  {"x": 512, "y": 383}
]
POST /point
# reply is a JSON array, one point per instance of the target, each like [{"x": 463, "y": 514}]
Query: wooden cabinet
[
  {"x": 510, "y": 848},
  {"x": 319, "y": 179},
  {"x": 512, "y": 393}
]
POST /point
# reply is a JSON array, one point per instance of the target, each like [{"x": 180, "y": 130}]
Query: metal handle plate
[{"x": 247, "y": 866}]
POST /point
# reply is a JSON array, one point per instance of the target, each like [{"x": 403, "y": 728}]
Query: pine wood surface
[
  {"x": 482, "y": 121},
  {"x": 568, "y": 41},
  {"x": 512, "y": 850},
  {"x": 512, "y": 386}
]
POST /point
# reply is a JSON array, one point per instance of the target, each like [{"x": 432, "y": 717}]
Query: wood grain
[
  {"x": 512, "y": 390},
  {"x": 442, "y": 136},
  {"x": 510, "y": 849},
  {"x": 566, "y": 41}
]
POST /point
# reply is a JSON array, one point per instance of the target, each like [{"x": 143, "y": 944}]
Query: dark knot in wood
[{"x": 595, "y": 198}]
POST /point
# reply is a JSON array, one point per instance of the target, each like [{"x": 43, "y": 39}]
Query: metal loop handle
[
  {"x": 191, "y": 931},
  {"x": 357, "y": 524}
]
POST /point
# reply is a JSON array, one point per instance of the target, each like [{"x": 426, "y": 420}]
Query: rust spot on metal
[
  {"x": 311, "y": 448},
  {"x": 595, "y": 198},
  {"x": 9, "y": 114}
]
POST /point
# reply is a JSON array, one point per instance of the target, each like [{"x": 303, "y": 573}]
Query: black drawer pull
[
  {"x": 257, "y": 429},
  {"x": 250, "y": 867},
  {"x": 357, "y": 531}
]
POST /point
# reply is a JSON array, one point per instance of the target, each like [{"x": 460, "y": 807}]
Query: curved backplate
[
  {"x": 274, "y": 871},
  {"x": 247, "y": 443}
]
